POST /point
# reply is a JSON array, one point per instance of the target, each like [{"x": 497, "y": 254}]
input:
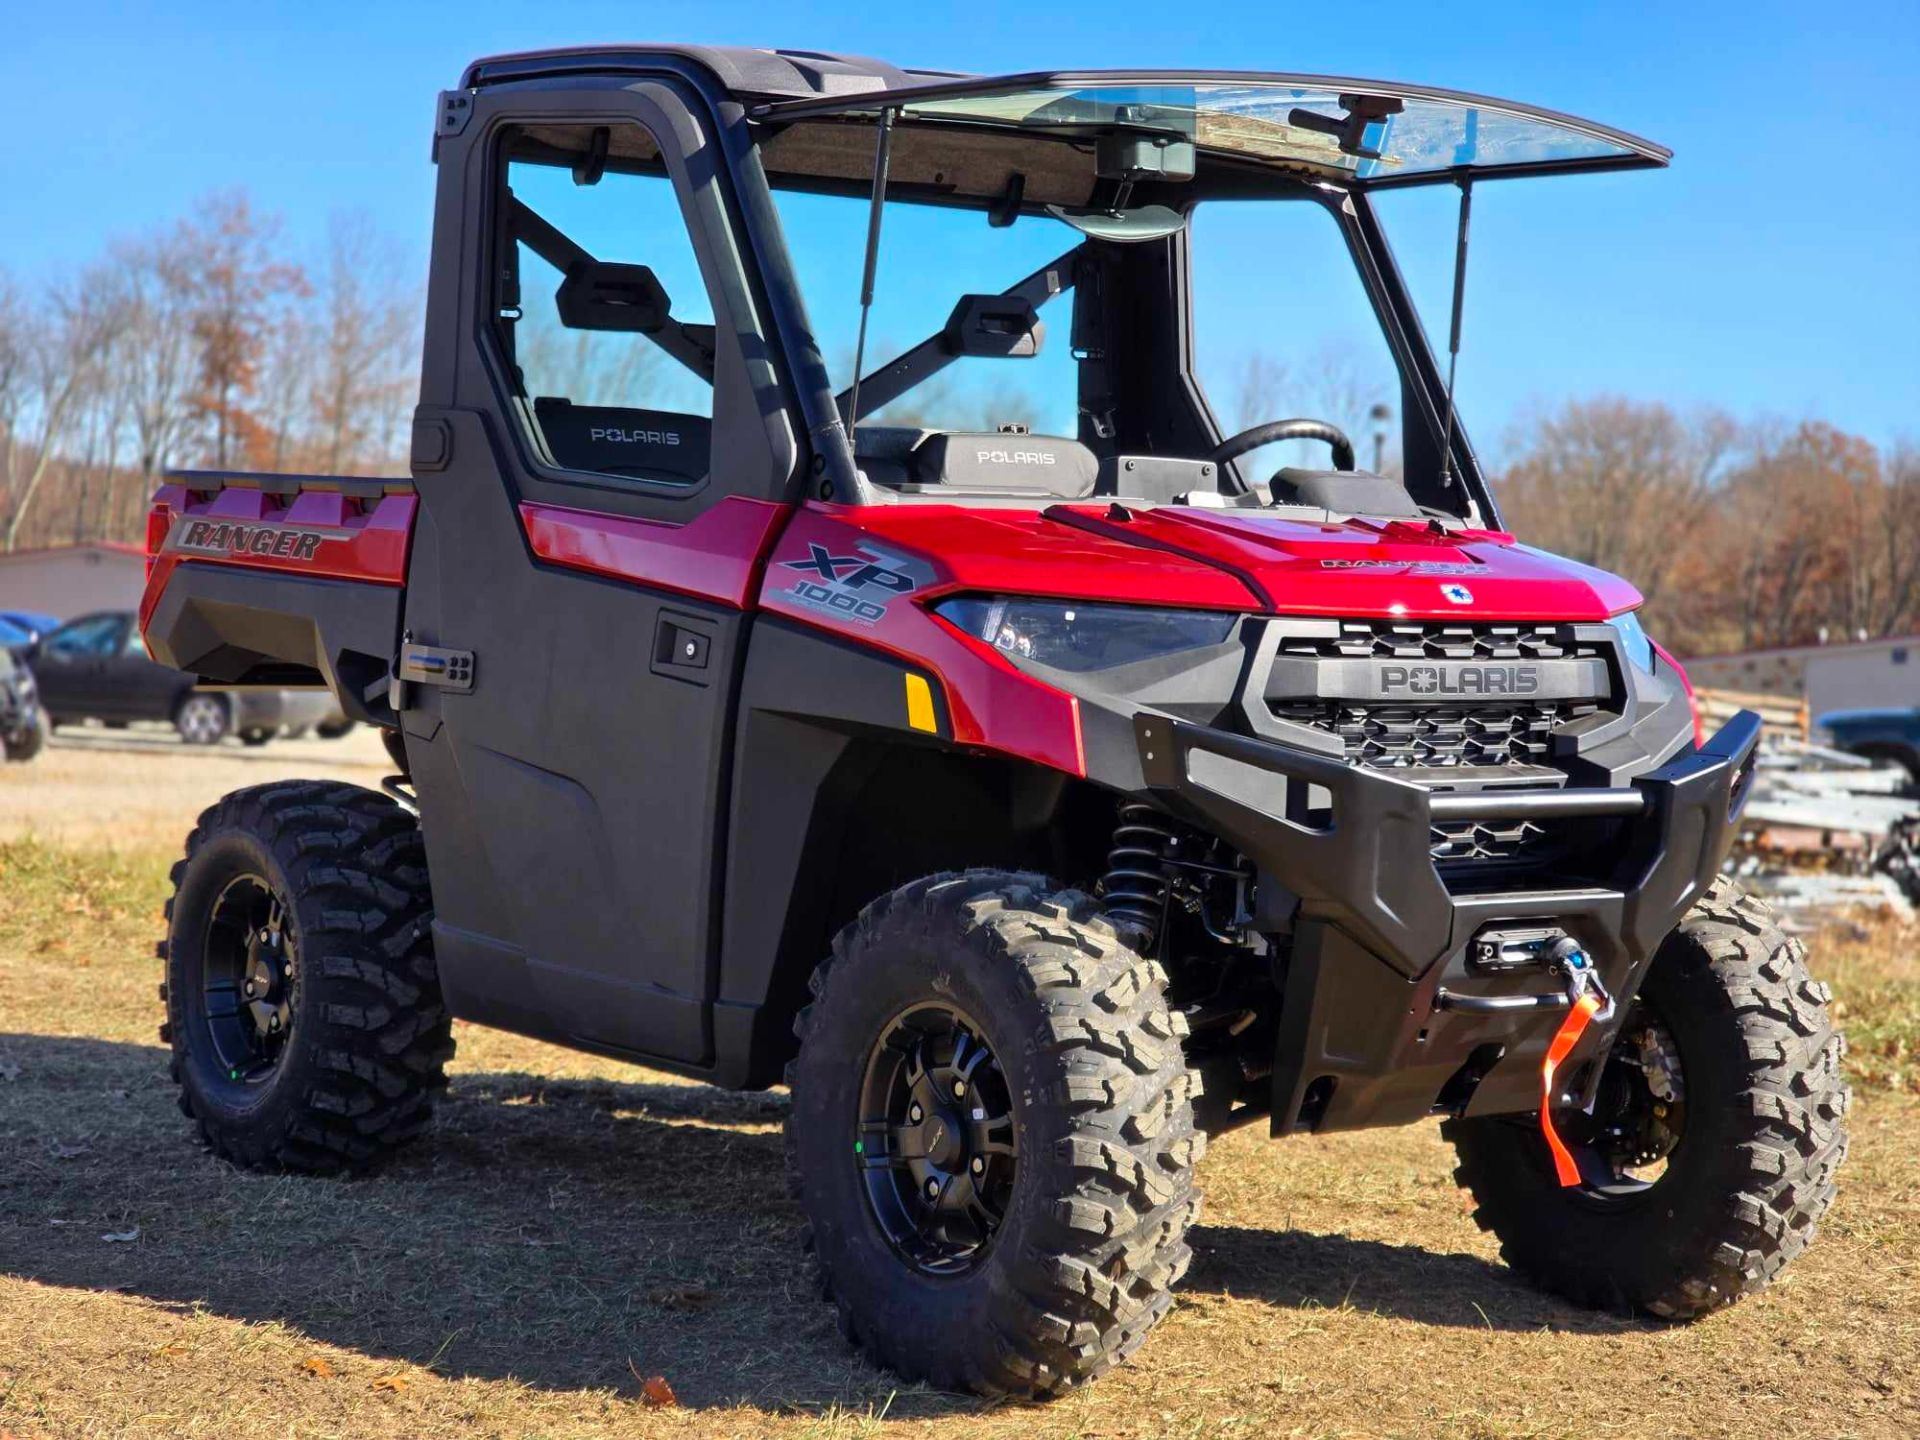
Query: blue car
[
  {"x": 36, "y": 622},
  {"x": 1878, "y": 735},
  {"x": 16, "y": 639}
]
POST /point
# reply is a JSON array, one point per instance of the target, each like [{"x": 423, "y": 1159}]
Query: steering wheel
[{"x": 1255, "y": 436}]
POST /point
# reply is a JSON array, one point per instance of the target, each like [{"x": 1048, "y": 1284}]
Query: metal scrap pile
[{"x": 1827, "y": 832}]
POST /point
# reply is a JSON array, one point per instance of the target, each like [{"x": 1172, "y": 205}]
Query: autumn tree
[
  {"x": 239, "y": 291},
  {"x": 363, "y": 360},
  {"x": 1617, "y": 483}
]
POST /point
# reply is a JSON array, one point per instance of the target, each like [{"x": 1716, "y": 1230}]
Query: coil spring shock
[{"x": 1136, "y": 883}]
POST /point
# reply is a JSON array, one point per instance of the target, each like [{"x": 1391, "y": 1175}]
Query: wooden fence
[{"x": 1784, "y": 716}]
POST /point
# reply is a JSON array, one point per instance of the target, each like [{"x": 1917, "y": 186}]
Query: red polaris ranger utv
[{"x": 1034, "y": 746}]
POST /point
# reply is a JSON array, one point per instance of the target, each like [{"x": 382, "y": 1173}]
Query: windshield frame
[{"x": 1637, "y": 153}]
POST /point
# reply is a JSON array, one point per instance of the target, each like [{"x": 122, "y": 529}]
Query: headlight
[
  {"x": 1067, "y": 635},
  {"x": 1634, "y": 643}
]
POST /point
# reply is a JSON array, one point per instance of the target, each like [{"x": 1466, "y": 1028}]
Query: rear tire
[
  {"x": 333, "y": 729},
  {"x": 1753, "y": 1169},
  {"x": 1088, "y": 1056},
  {"x": 315, "y": 894},
  {"x": 255, "y": 738},
  {"x": 203, "y": 718}
]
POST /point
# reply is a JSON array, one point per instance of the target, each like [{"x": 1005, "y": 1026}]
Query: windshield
[
  {"x": 1164, "y": 289},
  {"x": 1361, "y": 131},
  {"x": 1031, "y": 358}
]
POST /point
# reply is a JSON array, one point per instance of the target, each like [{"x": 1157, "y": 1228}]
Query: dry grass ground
[{"x": 575, "y": 1225}]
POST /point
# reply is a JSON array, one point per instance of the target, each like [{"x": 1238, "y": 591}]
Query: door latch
[
  {"x": 431, "y": 665},
  {"x": 682, "y": 647}
]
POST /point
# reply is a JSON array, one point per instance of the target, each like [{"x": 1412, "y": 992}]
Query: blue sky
[{"x": 1775, "y": 269}]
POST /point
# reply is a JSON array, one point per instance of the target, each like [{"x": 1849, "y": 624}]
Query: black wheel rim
[
  {"x": 935, "y": 1139},
  {"x": 1625, "y": 1146},
  {"x": 248, "y": 971}
]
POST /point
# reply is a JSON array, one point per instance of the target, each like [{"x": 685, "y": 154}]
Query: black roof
[{"x": 742, "y": 70}]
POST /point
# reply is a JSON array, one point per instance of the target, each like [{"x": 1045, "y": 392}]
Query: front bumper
[{"x": 1366, "y": 1035}]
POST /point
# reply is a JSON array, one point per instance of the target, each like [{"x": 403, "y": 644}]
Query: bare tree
[
  {"x": 55, "y": 356},
  {"x": 156, "y": 364},
  {"x": 363, "y": 366},
  {"x": 1336, "y": 383}
]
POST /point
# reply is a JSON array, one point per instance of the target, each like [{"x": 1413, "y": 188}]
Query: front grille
[
  {"x": 1483, "y": 840},
  {"x": 1404, "y": 736},
  {"x": 1414, "y": 640},
  {"x": 1425, "y": 738}
]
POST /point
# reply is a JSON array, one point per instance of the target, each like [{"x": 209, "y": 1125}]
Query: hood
[{"x": 1245, "y": 560}]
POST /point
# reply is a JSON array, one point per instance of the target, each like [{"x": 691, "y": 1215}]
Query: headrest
[
  {"x": 1016, "y": 464},
  {"x": 646, "y": 444},
  {"x": 1350, "y": 492}
]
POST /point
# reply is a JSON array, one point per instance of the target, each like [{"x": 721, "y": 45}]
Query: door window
[
  {"x": 94, "y": 635},
  {"x": 603, "y": 313}
]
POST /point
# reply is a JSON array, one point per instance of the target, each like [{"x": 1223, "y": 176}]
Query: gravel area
[{"x": 142, "y": 786}]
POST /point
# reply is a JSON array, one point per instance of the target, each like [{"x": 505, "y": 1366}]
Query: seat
[
  {"x": 992, "y": 462},
  {"x": 610, "y": 440}
]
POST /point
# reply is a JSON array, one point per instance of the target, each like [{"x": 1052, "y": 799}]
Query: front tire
[
  {"x": 1749, "y": 1061},
  {"x": 29, "y": 740},
  {"x": 303, "y": 1006},
  {"x": 1085, "y": 1194}
]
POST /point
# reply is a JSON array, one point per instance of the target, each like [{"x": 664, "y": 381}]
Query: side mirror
[
  {"x": 607, "y": 295},
  {"x": 1002, "y": 325}
]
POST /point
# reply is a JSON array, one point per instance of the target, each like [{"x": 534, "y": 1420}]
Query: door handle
[{"x": 682, "y": 647}]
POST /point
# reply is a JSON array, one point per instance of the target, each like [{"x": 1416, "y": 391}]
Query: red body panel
[
  {"x": 870, "y": 573},
  {"x": 1017, "y": 552},
  {"x": 348, "y": 539},
  {"x": 715, "y": 556},
  {"x": 990, "y": 703},
  {"x": 1185, "y": 557},
  {"x": 1355, "y": 568}
]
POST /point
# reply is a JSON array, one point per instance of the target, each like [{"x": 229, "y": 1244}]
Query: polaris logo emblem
[
  {"x": 633, "y": 437},
  {"x": 1014, "y": 457},
  {"x": 1458, "y": 594},
  {"x": 1459, "y": 680}
]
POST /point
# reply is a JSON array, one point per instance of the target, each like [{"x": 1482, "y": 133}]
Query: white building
[
  {"x": 70, "y": 580},
  {"x": 1860, "y": 675}
]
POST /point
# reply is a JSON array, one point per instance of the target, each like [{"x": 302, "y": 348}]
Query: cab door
[{"x": 603, "y": 458}]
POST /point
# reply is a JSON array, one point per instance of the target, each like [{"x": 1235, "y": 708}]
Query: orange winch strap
[{"x": 1564, "y": 1039}]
